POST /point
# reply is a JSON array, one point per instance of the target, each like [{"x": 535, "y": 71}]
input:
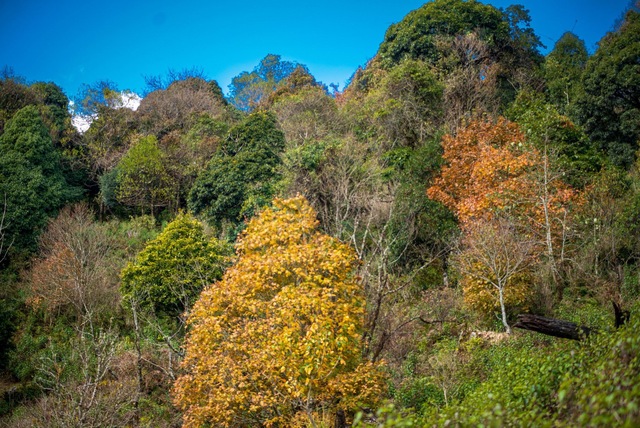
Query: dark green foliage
[
  {"x": 241, "y": 175},
  {"x": 520, "y": 50},
  {"x": 217, "y": 91},
  {"x": 433, "y": 224},
  {"x": 603, "y": 387},
  {"x": 26, "y": 134},
  {"x": 10, "y": 305},
  {"x": 563, "y": 69},
  {"x": 32, "y": 341},
  {"x": 53, "y": 105},
  {"x": 108, "y": 187},
  {"x": 55, "y": 110},
  {"x": 416, "y": 393},
  {"x": 219, "y": 191},
  {"x": 609, "y": 108},
  {"x": 523, "y": 38},
  {"x": 416, "y": 35},
  {"x": 427, "y": 34},
  {"x": 554, "y": 134},
  {"x": 50, "y": 94},
  {"x": 258, "y": 133},
  {"x": 25, "y": 192},
  {"x": 32, "y": 185}
]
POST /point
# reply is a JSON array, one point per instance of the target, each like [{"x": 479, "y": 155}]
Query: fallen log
[{"x": 553, "y": 327}]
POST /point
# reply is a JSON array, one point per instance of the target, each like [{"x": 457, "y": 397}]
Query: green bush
[{"x": 594, "y": 383}]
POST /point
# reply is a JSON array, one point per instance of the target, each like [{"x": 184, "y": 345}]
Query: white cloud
[
  {"x": 82, "y": 123},
  {"x": 128, "y": 99}
]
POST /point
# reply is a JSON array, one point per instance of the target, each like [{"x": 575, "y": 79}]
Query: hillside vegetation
[{"x": 293, "y": 256}]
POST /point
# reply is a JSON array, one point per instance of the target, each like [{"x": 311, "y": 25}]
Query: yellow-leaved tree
[{"x": 277, "y": 342}]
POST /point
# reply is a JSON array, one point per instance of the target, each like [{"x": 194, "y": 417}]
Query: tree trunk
[
  {"x": 621, "y": 317},
  {"x": 340, "y": 419},
  {"x": 503, "y": 310},
  {"x": 138, "y": 347},
  {"x": 553, "y": 327}
]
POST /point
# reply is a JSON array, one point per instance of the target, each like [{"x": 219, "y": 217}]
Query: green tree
[
  {"x": 403, "y": 107},
  {"x": 306, "y": 114},
  {"x": 53, "y": 105},
  {"x": 248, "y": 90},
  {"x": 278, "y": 341},
  {"x": 573, "y": 157},
  {"x": 169, "y": 273},
  {"x": 216, "y": 90},
  {"x": 104, "y": 143},
  {"x": 26, "y": 134},
  {"x": 241, "y": 175},
  {"x": 54, "y": 108},
  {"x": 32, "y": 185},
  {"x": 425, "y": 33},
  {"x": 48, "y": 93},
  {"x": 416, "y": 35},
  {"x": 187, "y": 154},
  {"x": 563, "y": 69},
  {"x": 300, "y": 79},
  {"x": 609, "y": 107},
  {"x": 143, "y": 178}
]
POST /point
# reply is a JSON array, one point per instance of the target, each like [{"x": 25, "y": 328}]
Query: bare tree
[
  {"x": 494, "y": 252},
  {"x": 359, "y": 204},
  {"x": 92, "y": 395},
  {"x": 75, "y": 270},
  {"x": 160, "y": 82},
  {"x": 178, "y": 106},
  {"x": 470, "y": 77},
  {"x": 310, "y": 116}
]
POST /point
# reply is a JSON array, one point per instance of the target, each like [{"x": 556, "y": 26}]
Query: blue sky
[{"x": 72, "y": 42}]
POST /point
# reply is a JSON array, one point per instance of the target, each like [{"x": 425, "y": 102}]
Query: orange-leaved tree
[
  {"x": 486, "y": 182},
  {"x": 485, "y": 165},
  {"x": 492, "y": 176},
  {"x": 277, "y": 342},
  {"x": 490, "y": 168}
]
